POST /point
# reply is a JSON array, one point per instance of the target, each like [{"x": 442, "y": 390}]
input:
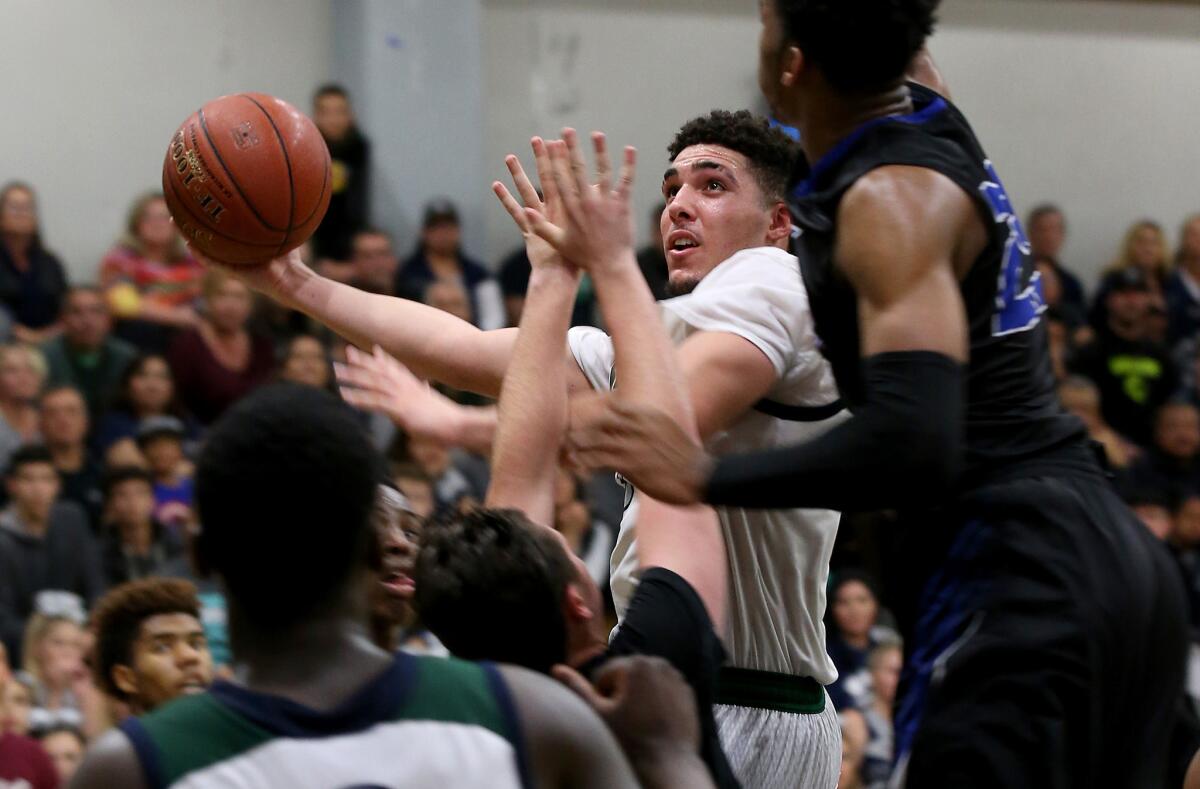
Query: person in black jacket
[
  {"x": 136, "y": 545},
  {"x": 32, "y": 282},
  {"x": 350, "y": 153}
]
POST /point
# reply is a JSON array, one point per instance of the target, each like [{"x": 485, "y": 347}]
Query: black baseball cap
[
  {"x": 1129, "y": 278},
  {"x": 440, "y": 211}
]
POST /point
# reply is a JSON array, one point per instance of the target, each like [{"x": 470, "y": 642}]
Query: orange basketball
[{"x": 247, "y": 178}]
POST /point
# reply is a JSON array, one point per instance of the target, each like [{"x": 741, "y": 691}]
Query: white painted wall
[
  {"x": 1092, "y": 104},
  {"x": 93, "y": 89}
]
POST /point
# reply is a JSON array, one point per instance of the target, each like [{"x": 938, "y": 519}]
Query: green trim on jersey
[{"x": 196, "y": 732}]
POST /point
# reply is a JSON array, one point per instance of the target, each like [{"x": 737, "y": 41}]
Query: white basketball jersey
[{"x": 778, "y": 559}]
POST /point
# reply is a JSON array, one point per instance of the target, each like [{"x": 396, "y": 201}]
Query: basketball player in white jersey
[{"x": 756, "y": 380}]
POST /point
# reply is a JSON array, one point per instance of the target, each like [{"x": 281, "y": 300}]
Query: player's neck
[
  {"x": 588, "y": 641},
  {"x": 828, "y": 117}
]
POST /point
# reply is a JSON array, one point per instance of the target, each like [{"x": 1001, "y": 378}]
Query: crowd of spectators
[{"x": 108, "y": 384}]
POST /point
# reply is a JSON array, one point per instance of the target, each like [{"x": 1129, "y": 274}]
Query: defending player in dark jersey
[{"x": 1045, "y": 634}]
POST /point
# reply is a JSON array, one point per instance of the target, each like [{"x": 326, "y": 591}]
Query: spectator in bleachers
[
  {"x": 588, "y": 537},
  {"x": 1073, "y": 318},
  {"x": 1135, "y": 374},
  {"x": 220, "y": 361},
  {"x": 1152, "y": 506},
  {"x": 514, "y": 281},
  {"x": 24, "y": 764},
  {"x": 1047, "y": 230},
  {"x": 652, "y": 260},
  {"x": 374, "y": 261},
  {"x": 63, "y": 693},
  {"x": 458, "y": 481},
  {"x": 22, "y": 374},
  {"x": 160, "y": 439},
  {"x": 45, "y": 544},
  {"x": 64, "y": 431},
  {"x": 32, "y": 280},
  {"x": 135, "y": 544},
  {"x": 439, "y": 258},
  {"x": 86, "y": 355},
  {"x": 350, "y": 152},
  {"x": 854, "y": 746},
  {"x": 1172, "y": 463},
  {"x": 884, "y": 664},
  {"x": 306, "y": 362},
  {"x": 852, "y": 633},
  {"x": 151, "y": 282},
  {"x": 150, "y": 645},
  {"x": 147, "y": 389},
  {"x": 1184, "y": 542},
  {"x": 65, "y": 746},
  {"x": 1144, "y": 248},
  {"x": 1183, "y": 286},
  {"x": 1081, "y": 397},
  {"x": 416, "y": 486}
]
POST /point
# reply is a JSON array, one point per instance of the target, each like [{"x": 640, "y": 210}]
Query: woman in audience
[
  {"x": 32, "y": 281},
  {"x": 854, "y": 631},
  {"x": 220, "y": 360},
  {"x": 1144, "y": 247},
  {"x": 1183, "y": 288},
  {"x": 16, "y": 705},
  {"x": 151, "y": 281},
  {"x": 63, "y": 693},
  {"x": 306, "y": 361},
  {"x": 22, "y": 373},
  {"x": 884, "y": 663},
  {"x": 147, "y": 389}
]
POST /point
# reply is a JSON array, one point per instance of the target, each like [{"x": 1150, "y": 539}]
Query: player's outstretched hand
[
  {"x": 646, "y": 446},
  {"x": 376, "y": 382},
  {"x": 277, "y": 279},
  {"x": 597, "y": 222},
  {"x": 646, "y": 703},
  {"x": 541, "y": 253}
]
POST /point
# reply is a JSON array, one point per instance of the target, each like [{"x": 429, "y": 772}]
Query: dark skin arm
[
  {"x": 110, "y": 761},
  {"x": 906, "y": 237}
]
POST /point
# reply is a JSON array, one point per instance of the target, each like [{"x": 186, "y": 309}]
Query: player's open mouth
[
  {"x": 681, "y": 244},
  {"x": 192, "y": 687},
  {"x": 399, "y": 585}
]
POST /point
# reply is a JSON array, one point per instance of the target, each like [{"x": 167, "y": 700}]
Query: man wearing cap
[
  {"x": 439, "y": 262},
  {"x": 1135, "y": 374},
  {"x": 161, "y": 440}
]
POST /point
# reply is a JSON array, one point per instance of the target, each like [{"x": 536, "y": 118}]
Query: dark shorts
[{"x": 1047, "y": 645}]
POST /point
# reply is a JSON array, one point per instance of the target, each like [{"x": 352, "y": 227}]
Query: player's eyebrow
[{"x": 703, "y": 164}]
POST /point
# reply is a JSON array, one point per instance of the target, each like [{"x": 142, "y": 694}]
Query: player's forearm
[
  {"x": 434, "y": 344},
  {"x": 533, "y": 400},
  {"x": 669, "y": 770}
]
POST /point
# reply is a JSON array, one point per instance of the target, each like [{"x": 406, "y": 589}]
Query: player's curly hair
[
  {"x": 490, "y": 586},
  {"x": 859, "y": 45},
  {"x": 119, "y": 615},
  {"x": 771, "y": 153}
]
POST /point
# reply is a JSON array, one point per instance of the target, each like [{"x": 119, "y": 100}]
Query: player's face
[
  {"x": 715, "y": 209},
  {"x": 771, "y": 45},
  {"x": 170, "y": 659}
]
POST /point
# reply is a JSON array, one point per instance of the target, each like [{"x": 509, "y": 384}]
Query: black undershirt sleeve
[{"x": 904, "y": 446}]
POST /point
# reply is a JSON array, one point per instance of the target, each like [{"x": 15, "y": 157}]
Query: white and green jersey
[{"x": 426, "y": 722}]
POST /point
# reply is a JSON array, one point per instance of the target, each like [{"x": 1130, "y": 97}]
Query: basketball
[{"x": 247, "y": 178}]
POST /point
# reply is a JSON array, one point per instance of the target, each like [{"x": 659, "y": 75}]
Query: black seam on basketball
[
  {"x": 320, "y": 198},
  {"x": 232, "y": 180},
  {"x": 287, "y": 160},
  {"x": 183, "y": 204}
]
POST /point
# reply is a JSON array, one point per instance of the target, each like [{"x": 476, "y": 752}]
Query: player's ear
[
  {"x": 780, "y": 229},
  {"x": 125, "y": 680},
  {"x": 791, "y": 62},
  {"x": 577, "y": 608}
]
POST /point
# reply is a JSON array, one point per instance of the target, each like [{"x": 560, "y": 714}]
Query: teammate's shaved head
[
  {"x": 285, "y": 488},
  {"x": 861, "y": 46}
]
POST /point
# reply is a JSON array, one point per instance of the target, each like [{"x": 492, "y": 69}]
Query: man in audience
[
  {"x": 1152, "y": 506},
  {"x": 150, "y": 646},
  {"x": 86, "y": 355},
  {"x": 1047, "y": 230},
  {"x": 44, "y": 544},
  {"x": 287, "y": 488},
  {"x": 1135, "y": 375},
  {"x": 64, "y": 431},
  {"x": 1171, "y": 464},
  {"x": 135, "y": 544},
  {"x": 372, "y": 265},
  {"x": 350, "y": 155},
  {"x": 439, "y": 258}
]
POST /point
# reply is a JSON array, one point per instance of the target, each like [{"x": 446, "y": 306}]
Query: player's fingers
[
  {"x": 578, "y": 165},
  {"x": 550, "y": 233},
  {"x": 545, "y": 171},
  {"x": 524, "y": 186},
  {"x": 580, "y": 686},
  {"x": 355, "y": 376},
  {"x": 511, "y": 205},
  {"x": 603, "y": 165},
  {"x": 628, "y": 167},
  {"x": 568, "y": 192},
  {"x": 361, "y": 398}
]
